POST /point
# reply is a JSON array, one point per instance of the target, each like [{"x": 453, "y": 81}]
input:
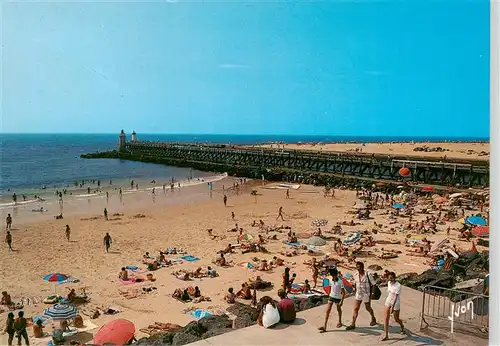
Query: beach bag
[
  {"x": 270, "y": 316},
  {"x": 375, "y": 291}
]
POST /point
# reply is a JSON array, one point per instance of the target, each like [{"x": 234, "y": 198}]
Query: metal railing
[{"x": 456, "y": 307}]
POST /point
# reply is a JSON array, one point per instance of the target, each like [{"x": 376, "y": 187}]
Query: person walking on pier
[
  {"x": 280, "y": 214},
  {"x": 363, "y": 286}
]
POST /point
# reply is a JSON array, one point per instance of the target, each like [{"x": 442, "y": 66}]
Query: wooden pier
[{"x": 255, "y": 162}]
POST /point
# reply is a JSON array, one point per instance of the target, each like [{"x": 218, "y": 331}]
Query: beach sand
[
  {"x": 41, "y": 248},
  {"x": 454, "y": 150}
]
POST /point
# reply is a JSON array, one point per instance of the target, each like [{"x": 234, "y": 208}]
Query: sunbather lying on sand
[
  {"x": 259, "y": 284},
  {"x": 263, "y": 266},
  {"x": 182, "y": 274},
  {"x": 181, "y": 295},
  {"x": 277, "y": 262},
  {"x": 424, "y": 254},
  {"x": 292, "y": 253}
]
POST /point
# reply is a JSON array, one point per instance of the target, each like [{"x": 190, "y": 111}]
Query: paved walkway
[{"x": 305, "y": 330}]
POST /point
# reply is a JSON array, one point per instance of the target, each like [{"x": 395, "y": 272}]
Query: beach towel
[
  {"x": 296, "y": 288},
  {"x": 190, "y": 258},
  {"x": 128, "y": 282},
  {"x": 132, "y": 268},
  {"x": 304, "y": 295},
  {"x": 297, "y": 244},
  {"x": 175, "y": 260},
  {"x": 199, "y": 314}
]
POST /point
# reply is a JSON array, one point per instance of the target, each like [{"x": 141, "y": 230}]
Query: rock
[
  {"x": 184, "y": 338},
  {"x": 240, "y": 310},
  {"x": 196, "y": 328},
  {"x": 215, "y": 322},
  {"x": 215, "y": 332},
  {"x": 244, "y": 321}
]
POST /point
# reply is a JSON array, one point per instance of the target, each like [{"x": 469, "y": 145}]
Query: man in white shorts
[{"x": 363, "y": 282}]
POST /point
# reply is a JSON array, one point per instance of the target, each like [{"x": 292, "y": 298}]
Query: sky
[{"x": 400, "y": 68}]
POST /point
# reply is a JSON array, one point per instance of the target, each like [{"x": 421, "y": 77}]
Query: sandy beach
[
  {"x": 41, "y": 248},
  {"x": 457, "y": 150}
]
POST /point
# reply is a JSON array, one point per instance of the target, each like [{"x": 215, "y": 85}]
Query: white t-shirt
[
  {"x": 336, "y": 288},
  {"x": 393, "y": 290}
]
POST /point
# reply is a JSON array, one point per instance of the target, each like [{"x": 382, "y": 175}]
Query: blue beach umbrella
[
  {"x": 352, "y": 238},
  {"x": 398, "y": 205},
  {"x": 61, "y": 312},
  {"x": 476, "y": 220},
  {"x": 56, "y": 278}
]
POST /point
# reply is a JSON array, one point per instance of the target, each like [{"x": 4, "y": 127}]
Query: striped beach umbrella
[
  {"x": 55, "y": 277},
  {"x": 60, "y": 312},
  {"x": 352, "y": 238}
]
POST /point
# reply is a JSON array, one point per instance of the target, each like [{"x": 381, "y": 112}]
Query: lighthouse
[
  {"x": 134, "y": 137},
  {"x": 122, "y": 141}
]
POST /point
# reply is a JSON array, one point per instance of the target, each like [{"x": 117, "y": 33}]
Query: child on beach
[
  {"x": 337, "y": 295},
  {"x": 8, "y": 240},
  {"x": 68, "y": 232},
  {"x": 8, "y": 221}
]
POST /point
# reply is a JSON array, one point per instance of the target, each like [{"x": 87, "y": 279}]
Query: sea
[{"x": 30, "y": 163}]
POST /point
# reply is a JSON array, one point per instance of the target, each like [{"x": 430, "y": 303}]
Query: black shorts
[{"x": 333, "y": 300}]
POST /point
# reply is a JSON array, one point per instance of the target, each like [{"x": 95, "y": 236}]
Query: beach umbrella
[
  {"x": 117, "y": 332},
  {"x": 476, "y": 220},
  {"x": 56, "y": 278},
  {"x": 315, "y": 241},
  {"x": 319, "y": 222},
  {"x": 427, "y": 188},
  {"x": 455, "y": 195},
  {"x": 404, "y": 172},
  {"x": 481, "y": 231},
  {"x": 379, "y": 184},
  {"x": 246, "y": 238},
  {"x": 352, "y": 238},
  {"x": 398, "y": 205},
  {"x": 60, "y": 312},
  {"x": 304, "y": 235}
]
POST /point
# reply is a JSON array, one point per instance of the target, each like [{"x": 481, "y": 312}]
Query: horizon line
[{"x": 248, "y": 135}]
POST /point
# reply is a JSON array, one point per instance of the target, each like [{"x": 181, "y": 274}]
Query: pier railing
[{"x": 454, "y": 308}]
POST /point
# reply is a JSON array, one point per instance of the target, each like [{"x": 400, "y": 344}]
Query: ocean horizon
[{"x": 32, "y": 160}]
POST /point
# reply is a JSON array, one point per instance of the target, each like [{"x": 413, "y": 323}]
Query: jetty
[{"x": 301, "y": 165}]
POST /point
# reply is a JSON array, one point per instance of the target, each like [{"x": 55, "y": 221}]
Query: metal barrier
[{"x": 454, "y": 306}]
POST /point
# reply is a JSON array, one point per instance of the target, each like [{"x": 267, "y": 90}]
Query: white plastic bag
[{"x": 270, "y": 316}]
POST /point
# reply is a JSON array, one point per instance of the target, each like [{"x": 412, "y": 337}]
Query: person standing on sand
[
  {"x": 106, "y": 214},
  {"x": 280, "y": 214},
  {"x": 287, "y": 193},
  {"x": 20, "y": 325},
  {"x": 107, "y": 242},
  {"x": 8, "y": 240},
  {"x": 392, "y": 305},
  {"x": 225, "y": 200},
  {"x": 8, "y": 221},
  {"x": 363, "y": 285},
  {"x": 232, "y": 215},
  {"x": 68, "y": 232},
  {"x": 9, "y": 328}
]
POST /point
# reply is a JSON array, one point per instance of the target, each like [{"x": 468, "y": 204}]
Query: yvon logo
[{"x": 457, "y": 310}]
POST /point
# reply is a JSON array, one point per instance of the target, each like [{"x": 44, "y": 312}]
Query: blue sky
[{"x": 400, "y": 68}]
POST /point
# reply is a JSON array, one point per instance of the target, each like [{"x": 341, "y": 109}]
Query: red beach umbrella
[
  {"x": 427, "y": 188},
  {"x": 404, "y": 172},
  {"x": 117, "y": 332},
  {"x": 481, "y": 231}
]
